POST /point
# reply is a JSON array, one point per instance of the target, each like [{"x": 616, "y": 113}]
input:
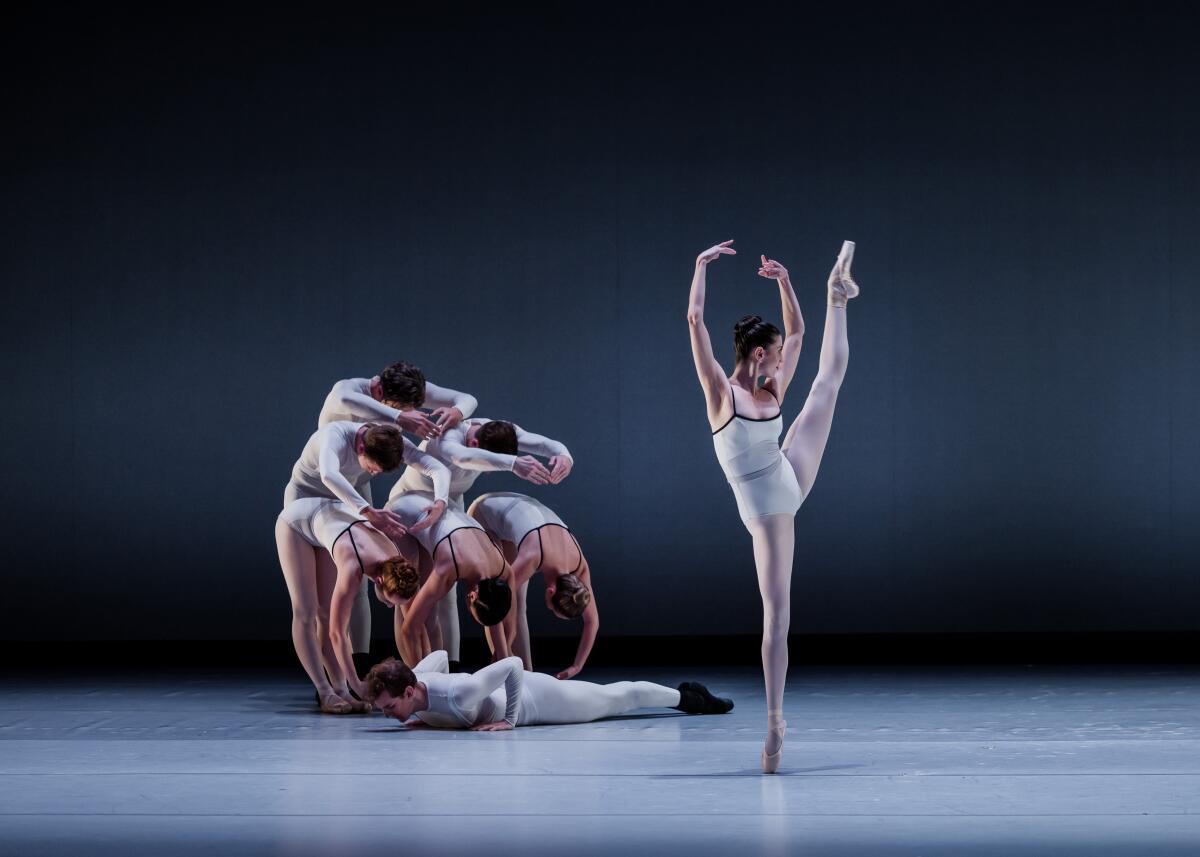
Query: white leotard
[
  {"x": 409, "y": 508},
  {"x": 328, "y": 467},
  {"x": 762, "y": 479},
  {"x": 511, "y": 517},
  {"x": 467, "y": 462},
  {"x": 505, "y": 691},
  {"x": 351, "y": 401},
  {"x": 319, "y": 520}
]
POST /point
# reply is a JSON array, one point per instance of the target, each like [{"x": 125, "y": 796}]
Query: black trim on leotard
[
  {"x": 454, "y": 557},
  {"x": 353, "y": 544},
  {"x": 736, "y": 415},
  {"x": 542, "y": 554}
]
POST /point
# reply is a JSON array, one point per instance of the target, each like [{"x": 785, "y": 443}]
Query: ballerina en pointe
[
  {"x": 777, "y": 728},
  {"x": 841, "y": 284}
]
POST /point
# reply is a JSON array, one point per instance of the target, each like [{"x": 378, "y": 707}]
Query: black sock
[{"x": 695, "y": 698}]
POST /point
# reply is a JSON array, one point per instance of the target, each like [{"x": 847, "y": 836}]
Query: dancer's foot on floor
[
  {"x": 695, "y": 698},
  {"x": 331, "y": 703},
  {"x": 841, "y": 284},
  {"x": 772, "y": 752}
]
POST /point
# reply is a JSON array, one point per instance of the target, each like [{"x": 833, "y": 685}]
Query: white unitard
[
  {"x": 506, "y": 691},
  {"x": 409, "y": 508},
  {"x": 328, "y": 467},
  {"x": 319, "y": 520},
  {"x": 351, "y": 400},
  {"x": 762, "y": 479},
  {"x": 467, "y": 462}
]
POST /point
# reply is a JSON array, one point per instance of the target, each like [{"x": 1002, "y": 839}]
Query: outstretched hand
[
  {"x": 771, "y": 269},
  {"x": 715, "y": 252},
  {"x": 386, "y": 522},
  {"x": 531, "y": 470}
]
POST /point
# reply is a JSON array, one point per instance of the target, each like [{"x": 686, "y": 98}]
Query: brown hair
[
  {"x": 398, "y": 577},
  {"x": 498, "y": 436},
  {"x": 571, "y": 597},
  {"x": 404, "y": 384},
  {"x": 384, "y": 444},
  {"x": 391, "y": 676},
  {"x": 750, "y": 333}
]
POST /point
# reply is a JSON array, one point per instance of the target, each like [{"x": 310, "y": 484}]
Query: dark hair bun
[{"x": 750, "y": 333}]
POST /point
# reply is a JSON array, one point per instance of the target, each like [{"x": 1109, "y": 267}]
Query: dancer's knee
[{"x": 776, "y": 622}]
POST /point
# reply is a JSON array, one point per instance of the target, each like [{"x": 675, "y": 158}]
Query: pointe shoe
[
  {"x": 331, "y": 703},
  {"x": 770, "y": 761},
  {"x": 841, "y": 284}
]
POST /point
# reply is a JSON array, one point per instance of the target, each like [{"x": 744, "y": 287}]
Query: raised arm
[
  {"x": 712, "y": 376},
  {"x": 471, "y": 691},
  {"x": 450, "y": 407},
  {"x": 561, "y": 461},
  {"x": 365, "y": 408},
  {"x": 793, "y": 324}
]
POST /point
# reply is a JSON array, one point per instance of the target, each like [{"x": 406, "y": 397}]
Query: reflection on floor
[{"x": 1003, "y": 761}]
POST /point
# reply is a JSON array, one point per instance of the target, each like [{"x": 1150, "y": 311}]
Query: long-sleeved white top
[
  {"x": 351, "y": 400},
  {"x": 328, "y": 467},
  {"x": 463, "y": 700},
  {"x": 467, "y": 462}
]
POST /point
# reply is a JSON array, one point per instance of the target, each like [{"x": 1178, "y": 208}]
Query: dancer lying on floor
[
  {"x": 503, "y": 695},
  {"x": 535, "y": 539},
  {"x": 456, "y": 548}
]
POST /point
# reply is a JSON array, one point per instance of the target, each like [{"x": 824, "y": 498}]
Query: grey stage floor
[{"x": 956, "y": 761}]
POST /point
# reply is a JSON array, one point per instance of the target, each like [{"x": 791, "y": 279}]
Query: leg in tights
[
  {"x": 519, "y": 644},
  {"x": 774, "y": 543},
  {"x": 326, "y": 577},
  {"x": 805, "y": 441},
  {"x": 299, "y": 562},
  {"x": 360, "y": 611},
  {"x": 582, "y": 701},
  {"x": 447, "y": 613}
]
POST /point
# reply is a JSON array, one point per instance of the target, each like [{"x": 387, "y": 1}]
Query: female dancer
[
  {"x": 394, "y": 395},
  {"x": 458, "y": 549},
  {"x": 768, "y": 482},
  {"x": 503, "y": 695},
  {"x": 535, "y": 539},
  {"x": 323, "y": 568}
]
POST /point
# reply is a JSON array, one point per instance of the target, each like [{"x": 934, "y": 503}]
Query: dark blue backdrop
[{"x": 207, "y": 223}]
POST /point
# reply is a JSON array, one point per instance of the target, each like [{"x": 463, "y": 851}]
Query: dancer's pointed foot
[
  {"x": 841, "y": 283},
  {"x": 331, "y": 703},
  {"x": 772, "y": 752},
  {"x": 695, "y": 698}
]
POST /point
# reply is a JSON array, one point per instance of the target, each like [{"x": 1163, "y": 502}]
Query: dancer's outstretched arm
[
  {"x": 411, "y": 639},
  {"x": 452, "y": 449},
  {"x": 591, "y": 627},
  {"x": 471, "y": 691},
  {"x": 712, "y": 376},
  {"x": 450, "y": 407},
  {"x": 793, "y": 325}
]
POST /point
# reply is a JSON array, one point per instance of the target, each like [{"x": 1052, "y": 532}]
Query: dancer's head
[
  {"x": 402, "y": 386},
  {"x": 489, "y": 601},
  {"x": 392, "y": 688},
  {"x": 396, "y": 580},
  {"x": 495, "y": 436},
  {"x": 380, "y": 448},
  {"x": 759, "y": 342},
  {"x": 567, "y": 597}
]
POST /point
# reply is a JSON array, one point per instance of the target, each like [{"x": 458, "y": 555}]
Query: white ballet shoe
[
  {"x": 770, "y": 761},
  {"x": 841, "y": 284}
]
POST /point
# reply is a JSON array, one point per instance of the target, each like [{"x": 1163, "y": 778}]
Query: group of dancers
[{"x": 413, "y": 552}]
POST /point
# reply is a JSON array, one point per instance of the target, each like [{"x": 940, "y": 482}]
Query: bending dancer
[
  {"x": 535, "y": 539},
  {"x": 394, "y": 395},
  {"x": 768, "y": 482},
  {"x": 321, "y": 569},
  {"x": 503, "y": 695},
  {"x": 457, "y": 549},
  {"x": 473, "y": 447}
]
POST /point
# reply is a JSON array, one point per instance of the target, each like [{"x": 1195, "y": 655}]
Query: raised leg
[{"x": 804, "y": 444}]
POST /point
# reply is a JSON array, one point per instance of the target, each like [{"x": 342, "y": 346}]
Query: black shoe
[
  {"x": 454, "y": 666},
  {"x": 694, "y": 698}
]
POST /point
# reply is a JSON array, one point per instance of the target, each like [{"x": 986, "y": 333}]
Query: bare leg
[
  {"x": 774, "y": 545},
  {"x": 298, "y": 560},
  {"x": 804, "y": 444}
]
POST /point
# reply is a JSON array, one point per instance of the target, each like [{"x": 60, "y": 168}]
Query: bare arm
[
  {"x": 411, "y": 639},
  {"x": 591, "y": 626},
  {"x": 712, "y": 376},
  {"x": 793, "y": 324}
]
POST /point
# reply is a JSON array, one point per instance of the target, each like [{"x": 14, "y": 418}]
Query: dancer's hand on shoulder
[
  {"x": 560, "y": 468},
  {"x": 432, "y": 514},
  {"x": 386, "y": 522},
  {"x": 531, "y": 470},
  {"x": 498, "y": 726},
  {"x": 716, "y": 252},
  {"x": 415, "y": 422},
  {"x": 447, "y": 418},
  {"x": 771, "y": 269},
  {"x": 569, "y": 672}
]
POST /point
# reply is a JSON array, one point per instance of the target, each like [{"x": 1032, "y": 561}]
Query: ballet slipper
[
  {"x": 777, "y": 726},
  {"x": 331, "y": 703},
  {"x": 841, "y": 284}
]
